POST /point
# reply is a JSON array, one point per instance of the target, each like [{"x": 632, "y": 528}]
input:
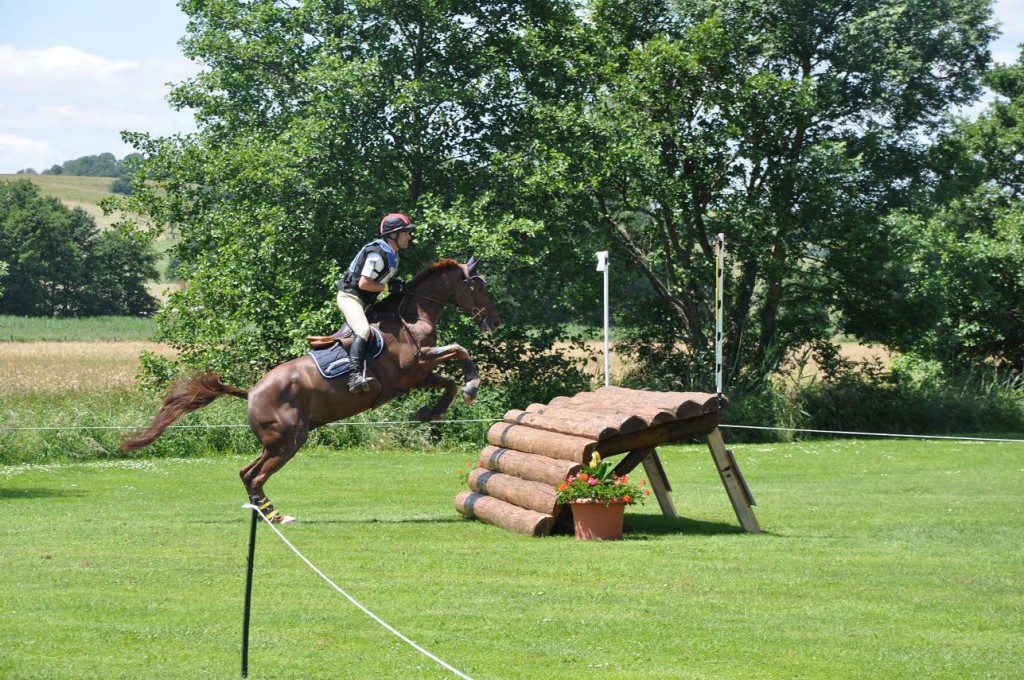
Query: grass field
[{"x": 880, "y": 560}]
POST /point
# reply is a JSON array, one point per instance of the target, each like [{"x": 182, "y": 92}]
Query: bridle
[{"x": 474, "y": 314}]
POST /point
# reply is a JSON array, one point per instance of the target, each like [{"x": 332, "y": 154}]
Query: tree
[
  {"x": 59, "y": 264},
  {"x": 791, "y": 126},
  {"x": 971, "y": 266},
  {"x": 316, "y": 118}
]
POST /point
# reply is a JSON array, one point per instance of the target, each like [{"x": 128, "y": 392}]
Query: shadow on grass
[
  {"x": 658, "y": 525},
  {"x": 22, "y": 494}
]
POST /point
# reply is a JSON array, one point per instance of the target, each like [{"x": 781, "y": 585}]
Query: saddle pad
[{"x": 333, "y": 362}]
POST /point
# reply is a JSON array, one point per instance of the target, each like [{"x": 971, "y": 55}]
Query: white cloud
[
  {"x": 16, "y": 146},
  {"x": 64, "y": 103}
]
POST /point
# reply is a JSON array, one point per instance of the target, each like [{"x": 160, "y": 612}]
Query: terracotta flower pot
[{"x": 594, "y": 521}]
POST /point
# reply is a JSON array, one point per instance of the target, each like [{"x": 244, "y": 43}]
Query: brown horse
[{"x": 293, "y": 398}]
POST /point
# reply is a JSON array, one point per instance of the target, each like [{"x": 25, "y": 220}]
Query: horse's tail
[{"x": 185, "y": 397}]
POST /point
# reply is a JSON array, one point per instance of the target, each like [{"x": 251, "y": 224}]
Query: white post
[
  {"x": 602, "y": 266},
  {"x": 719, "y": 297}
]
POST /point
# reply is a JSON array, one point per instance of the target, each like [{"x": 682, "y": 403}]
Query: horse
[{"x": 293, "y": 398}]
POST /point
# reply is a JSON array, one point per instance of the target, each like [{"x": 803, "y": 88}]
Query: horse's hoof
[
  {"x": 424, "y": 414},
  {"x": 282, "y": 519}
]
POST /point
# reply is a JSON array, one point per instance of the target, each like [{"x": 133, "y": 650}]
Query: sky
[{"x": 75, "y": 73}]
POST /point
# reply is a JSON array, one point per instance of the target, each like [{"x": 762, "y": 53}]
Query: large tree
[
  {"x": 971, "y": 267},
  {"x": 314, "y": 119},
  {"x": 791, "y": 126}
]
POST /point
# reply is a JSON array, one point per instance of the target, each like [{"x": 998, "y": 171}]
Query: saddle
[{"x": 330, "y": 356}]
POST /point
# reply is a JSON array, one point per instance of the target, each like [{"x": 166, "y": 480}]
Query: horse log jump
[{"x": 532, "y": 450}]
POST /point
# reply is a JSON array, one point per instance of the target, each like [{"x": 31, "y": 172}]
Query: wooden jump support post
[{"x": 531, "y": 451}]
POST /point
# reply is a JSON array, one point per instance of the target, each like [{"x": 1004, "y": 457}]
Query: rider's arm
[
  {"x": 368, "y": 284},
  {"x": 368, "y": 277}
]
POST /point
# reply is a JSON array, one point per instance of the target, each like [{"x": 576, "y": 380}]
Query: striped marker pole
[{"x": 719, "y": 296}]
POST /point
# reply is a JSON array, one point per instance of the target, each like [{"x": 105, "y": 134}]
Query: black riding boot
[{"x": 357, "y": 382}]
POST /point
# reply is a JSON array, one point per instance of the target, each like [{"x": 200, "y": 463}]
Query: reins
[{"x": 473, "y": 315}]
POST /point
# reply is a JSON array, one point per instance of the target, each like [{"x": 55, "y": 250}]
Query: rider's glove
[{"x": 396, "y": 286}]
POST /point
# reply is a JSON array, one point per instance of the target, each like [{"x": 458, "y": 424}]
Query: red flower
[{"x": 628, "y": 499}]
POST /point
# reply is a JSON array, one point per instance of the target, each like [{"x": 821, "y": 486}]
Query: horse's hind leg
[
  {"x": 278, "y": 449},
  {"x": 255, "y": 475}
]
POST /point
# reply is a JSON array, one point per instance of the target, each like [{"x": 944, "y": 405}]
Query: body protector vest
[{"x": 350, "y": 281}]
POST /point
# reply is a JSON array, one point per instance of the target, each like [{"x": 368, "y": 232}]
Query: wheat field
[{"x": 61, "y": 367}]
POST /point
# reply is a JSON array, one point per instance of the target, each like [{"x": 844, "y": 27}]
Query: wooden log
[
  {"x": 590, "y": 402},
  {"x": 505, "y": 515},
  {"x": 685, "y": 404},
  {"x": 577, "y": 422},
  {"x": 534, "y": 496},
  {"x": 527, "y": 465},
  {"x": 550, "y": 444},
  {"x": 634, "y": 404},
  {"x": 562, "y": 404},
  {"x": 677, "y": 430}
]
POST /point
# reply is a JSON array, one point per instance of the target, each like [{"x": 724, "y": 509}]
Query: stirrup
[{"x": 359, "y": 383}]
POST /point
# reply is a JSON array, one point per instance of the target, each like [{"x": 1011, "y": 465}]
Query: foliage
[
  {"x": 102, "y": 165},
  {"x": 598, "y": 482},
  {"x": 967, "y": 258},
  {"x": 791, "y": 129},
  {"x": 122, "y": 185},
  {"x": 917, "y": 397},
  {"x": 60, "y": 264},
  {"x": 314, "y": 119},
  {"x": 537, "y": 133}
]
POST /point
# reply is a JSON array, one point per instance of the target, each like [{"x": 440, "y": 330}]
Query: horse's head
[
  {"x": 475, "y": 300},
  {"x": 451, "y": 282}
]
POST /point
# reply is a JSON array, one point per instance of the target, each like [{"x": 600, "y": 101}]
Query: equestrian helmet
[{"x": 395, "y": 222}]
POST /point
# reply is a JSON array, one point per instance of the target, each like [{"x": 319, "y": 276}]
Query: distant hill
[
  {"x": 99, "y": 165},
  {"x": 74, "y": 192}
]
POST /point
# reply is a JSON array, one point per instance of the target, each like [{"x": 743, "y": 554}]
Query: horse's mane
[
  {"x": 391, "y": 302},
  {"x": 443, "y": 263}
]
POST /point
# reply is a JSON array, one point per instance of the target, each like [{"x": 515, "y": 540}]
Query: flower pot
[{"x": 594, "y": 521}]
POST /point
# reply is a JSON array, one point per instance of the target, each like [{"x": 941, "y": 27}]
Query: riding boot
[{"x": 357, "y": 382}]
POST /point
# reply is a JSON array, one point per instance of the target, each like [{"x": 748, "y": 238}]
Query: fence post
[{"x": 248, "y": 592}]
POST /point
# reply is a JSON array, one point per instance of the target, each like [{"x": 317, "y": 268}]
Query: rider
[{"x": 372, "y": 272}]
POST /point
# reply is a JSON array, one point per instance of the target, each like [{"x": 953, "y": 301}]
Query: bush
[{"x": 918, "y": 397}]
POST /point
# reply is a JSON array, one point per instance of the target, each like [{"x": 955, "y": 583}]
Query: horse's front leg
[
  {"x": 441, "y": 354},
  {"x": 426, "y": 413}
]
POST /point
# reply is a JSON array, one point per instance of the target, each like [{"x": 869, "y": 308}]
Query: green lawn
[
  {"x": 87, "y": 329},
  {"x": 880, "y": 559}
]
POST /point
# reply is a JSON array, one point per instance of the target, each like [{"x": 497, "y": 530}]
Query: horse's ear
[{"x": 473, "y": 263}]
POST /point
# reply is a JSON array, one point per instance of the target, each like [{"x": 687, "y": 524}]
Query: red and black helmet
[{"x": 395, "y": 222}]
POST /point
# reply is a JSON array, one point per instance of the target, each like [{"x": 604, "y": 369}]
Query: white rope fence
[
  {"x": 871, "y": 434},
  {"x": 847, "y": 433},
  {"x": 351, "y": 599}
]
